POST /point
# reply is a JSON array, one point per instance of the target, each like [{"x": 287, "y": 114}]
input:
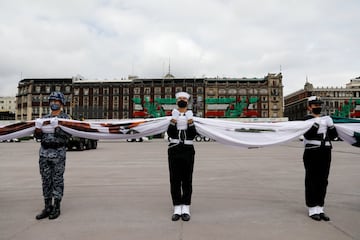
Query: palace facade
[
  {"x": 338, "y": 101},
  {"x": 154, "y": 97}
]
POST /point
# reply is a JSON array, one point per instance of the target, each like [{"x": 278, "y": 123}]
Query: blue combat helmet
[{"x": 58, "y": 96}]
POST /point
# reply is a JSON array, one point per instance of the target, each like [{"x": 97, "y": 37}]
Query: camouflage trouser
[{"x": 52, "y": 168}]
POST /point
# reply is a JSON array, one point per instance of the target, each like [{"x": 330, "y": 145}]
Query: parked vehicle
[
  {"x": 198, "y": 138},
  {"x": 81, "y": 144},
  {"x": 12, "y": 140},
  {"x": 142, "y": 139}
]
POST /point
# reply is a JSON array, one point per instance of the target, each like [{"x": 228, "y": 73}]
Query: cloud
[{"x": 111, "y": 39}]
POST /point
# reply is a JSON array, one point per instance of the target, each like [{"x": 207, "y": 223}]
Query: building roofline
[{"x": 294, "y": 93}]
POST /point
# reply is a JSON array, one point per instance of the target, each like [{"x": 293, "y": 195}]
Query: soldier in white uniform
[
  {"x": 181, "y": 155},
  {"x": 317, "y": 159}
]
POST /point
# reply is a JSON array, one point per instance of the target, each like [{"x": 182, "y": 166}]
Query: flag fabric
[{"x": 227, "y": 132}]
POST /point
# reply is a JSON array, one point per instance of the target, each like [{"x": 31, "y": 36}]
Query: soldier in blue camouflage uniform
[{"x": 52, "y": 156}]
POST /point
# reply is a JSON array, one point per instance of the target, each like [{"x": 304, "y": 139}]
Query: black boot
[
  {"x": 46, "y": 211},
  {"x": 56, "y": 209}
]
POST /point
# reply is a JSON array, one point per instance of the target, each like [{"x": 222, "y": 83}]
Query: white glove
[
  {"x": 189, "y": 115},
  {"x": 322, "y": 125},
  {"x": 49, "y": 128},
  {"x": 328, "y": 121},
  {"x": 182, "y": 122},
  {"x": 54, "y": 122},
  {"x": 317, "y": 120},
  {"x": 38, "y": 123},
  {"x": 175, "y": 114}
]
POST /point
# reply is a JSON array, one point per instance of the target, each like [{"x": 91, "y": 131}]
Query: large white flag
[{"x": 223, "y": 131}]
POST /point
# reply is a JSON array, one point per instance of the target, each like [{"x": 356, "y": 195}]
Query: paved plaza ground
[{"x": 121, "y": 191}]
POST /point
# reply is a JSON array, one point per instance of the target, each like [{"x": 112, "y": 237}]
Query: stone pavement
[{"x": 121, "y": 191}]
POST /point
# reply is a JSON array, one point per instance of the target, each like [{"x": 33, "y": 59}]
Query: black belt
[{"x": 52, "y": 145}]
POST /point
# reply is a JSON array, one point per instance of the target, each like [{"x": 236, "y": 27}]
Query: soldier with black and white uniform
[
  {"x": 317, "y": 158},
  {"x": 181, "y": 155},
  {"x": 52, "y": 156}
]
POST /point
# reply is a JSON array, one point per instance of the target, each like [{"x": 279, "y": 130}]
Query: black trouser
[
  {"x": 181, "y": 165},
  {"x": 317, "y": 167}
]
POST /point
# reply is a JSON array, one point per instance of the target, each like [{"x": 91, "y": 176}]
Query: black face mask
[
  {"x": 316, "y": 110},
  {"x": 182, "y": 104}
]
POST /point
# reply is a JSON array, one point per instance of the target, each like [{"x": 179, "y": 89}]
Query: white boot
[
  {"x": 314, "y": 214},
  {"x": 177, "y": 213},
  {"x": 177, "y": 209},
  {"x": 185, "y": 209},
  {"x": 313, "y": 211},
  {"x": 320, "y": 209},
  {"x": 322, "y": 214},
  {"x": 185, "y": 212}
]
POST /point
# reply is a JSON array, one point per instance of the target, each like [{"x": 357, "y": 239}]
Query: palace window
[
  {"x": 67, "y": 89},
  {"x": 47, "y": 89},
  {"x": 178, "y": 89},
  {"x": 147, "y": 91},
  {"x": 136, "y": 90},
  {"x": 86, "y": 101},
  {"x": 168, "y": 90},
  {"x": 158, "y": 90},
  {"x": 95, "y": 101}
]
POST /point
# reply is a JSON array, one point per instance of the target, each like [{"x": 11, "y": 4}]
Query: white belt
[
  {"x": 317, "y": 142},
  {"x": 187, "y": 142}
]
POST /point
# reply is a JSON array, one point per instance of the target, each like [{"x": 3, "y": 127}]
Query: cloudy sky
[{"x": 107, "y": 39}]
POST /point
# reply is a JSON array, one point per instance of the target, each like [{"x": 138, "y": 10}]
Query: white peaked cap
[
  {"x": 312, "y": 98},
  {"x": 182, "y": 94}
]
